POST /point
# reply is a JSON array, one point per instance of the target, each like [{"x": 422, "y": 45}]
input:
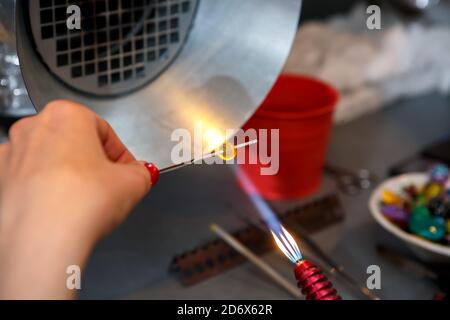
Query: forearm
[
  {"x": 34, "y": 260},
  {"x": 66, "y": 180}
]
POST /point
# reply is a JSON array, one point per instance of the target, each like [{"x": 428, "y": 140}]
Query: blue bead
[
  {"x": 427, "y": 227},
  {"x": 439, "y": 173}
]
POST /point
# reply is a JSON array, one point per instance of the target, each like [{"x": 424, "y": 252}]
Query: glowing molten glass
[
  {"x": 213, "y": 139},
  {"x": 227, "y": 152},
  {"x": 288, "y": 245}
]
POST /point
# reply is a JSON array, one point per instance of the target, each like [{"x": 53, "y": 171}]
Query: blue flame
[
  {"x": 281, "y": 236},
  {"x": 264, "y": 210}
]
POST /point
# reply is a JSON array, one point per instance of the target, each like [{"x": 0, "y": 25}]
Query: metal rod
[
  {"x": 212, "y": 154},
  {"x": 334, "y": 269},
  {"x": 261, "y": 264}
]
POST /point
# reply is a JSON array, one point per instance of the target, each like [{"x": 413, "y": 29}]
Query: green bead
[
  {"x": 421, "y": 212},
  {"x": 417, "y": 225},
  {"x": 421, "y": 200},
  {"x": 419, "y": 219},
  {"x": 423, "y": 224}
]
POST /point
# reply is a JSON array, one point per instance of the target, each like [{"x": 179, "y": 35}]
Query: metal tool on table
[
  {"x": 349, "y": 182},
  {"x": 310, "y": 280},
  {"x": 215, "y": 257},
  {"x": 150, "y": 67},
  {"x": 261, "y": 264}
]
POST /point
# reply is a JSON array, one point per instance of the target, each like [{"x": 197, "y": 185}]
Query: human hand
[{"x": 65, "y": 181}]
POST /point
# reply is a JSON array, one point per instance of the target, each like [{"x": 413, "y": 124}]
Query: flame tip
[{"x": 288, "y": 245}]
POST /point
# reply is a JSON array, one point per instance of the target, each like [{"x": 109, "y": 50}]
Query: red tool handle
[
  {"x": 154, "y": 172},
  {"x": 314, "y": 283}
]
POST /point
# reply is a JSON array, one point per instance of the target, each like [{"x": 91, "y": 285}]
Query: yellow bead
[
  {"x": 227, "y": 152},
  {"x": 433, "y": 190},
  {"x": 391, "y": 198}
]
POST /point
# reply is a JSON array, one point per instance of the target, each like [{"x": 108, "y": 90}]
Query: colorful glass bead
[
  {"x": 412, "y": 191},
  {"x": 434, "y": 232},
  {"x": 440, "y": 220},
  {"x": 433, "y": 190},
  {"x": 416, "y": 225},
  {"x": 420, "y": 201},
  {"x": 407, "y": 206},
  {"x": 427, "y": 227},
  {"x": 396, "y": 214},
  {"x": 439, "y": 207},
  {"x": 421, "y": 212},
  {"x": 391, "y": 198},
  {"x": 439, "y": 173}
]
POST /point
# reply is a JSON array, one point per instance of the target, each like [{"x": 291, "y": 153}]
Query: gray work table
[{"x": 133, "y": 262}]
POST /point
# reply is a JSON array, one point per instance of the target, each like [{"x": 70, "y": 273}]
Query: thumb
[{"x": 135, "y": 180}]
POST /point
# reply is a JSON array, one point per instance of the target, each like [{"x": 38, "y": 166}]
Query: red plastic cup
[{"x": 302, "y": 109}]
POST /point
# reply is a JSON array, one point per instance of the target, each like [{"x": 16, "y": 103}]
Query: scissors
[{"x": 349, "y": 182}]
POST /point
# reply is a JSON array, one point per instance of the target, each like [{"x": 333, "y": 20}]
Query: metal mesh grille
[{"x": 122, "y": 44}]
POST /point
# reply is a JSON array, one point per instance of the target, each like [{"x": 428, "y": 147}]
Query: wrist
[
  {"x": 34, "y": 260},
  {"x": 36, "y": 266}
]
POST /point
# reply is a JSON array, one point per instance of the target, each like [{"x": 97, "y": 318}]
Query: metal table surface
[{"x": 133, "y": 261}]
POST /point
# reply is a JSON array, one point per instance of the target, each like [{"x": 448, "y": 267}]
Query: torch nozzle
[{"x": 314, "y": 284}]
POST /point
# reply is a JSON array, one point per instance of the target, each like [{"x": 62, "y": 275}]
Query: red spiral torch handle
[{"x": 314, "y": 283}]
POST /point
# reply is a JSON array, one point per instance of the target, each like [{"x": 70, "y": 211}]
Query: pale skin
[{"x": 66, "y": 180}]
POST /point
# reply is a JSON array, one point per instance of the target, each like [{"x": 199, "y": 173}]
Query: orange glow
[
  {"x": 227, "y": 152},
  {"x": 216, "y": 141}
]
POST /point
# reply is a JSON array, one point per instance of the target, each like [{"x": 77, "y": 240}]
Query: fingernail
[{"x": 154, "y": 172}]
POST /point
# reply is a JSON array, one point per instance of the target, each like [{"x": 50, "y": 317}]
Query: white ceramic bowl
[{"x": 425, "y": 249}]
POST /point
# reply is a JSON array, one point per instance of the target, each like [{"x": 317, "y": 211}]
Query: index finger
[{"x": 114, "y": 148}]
